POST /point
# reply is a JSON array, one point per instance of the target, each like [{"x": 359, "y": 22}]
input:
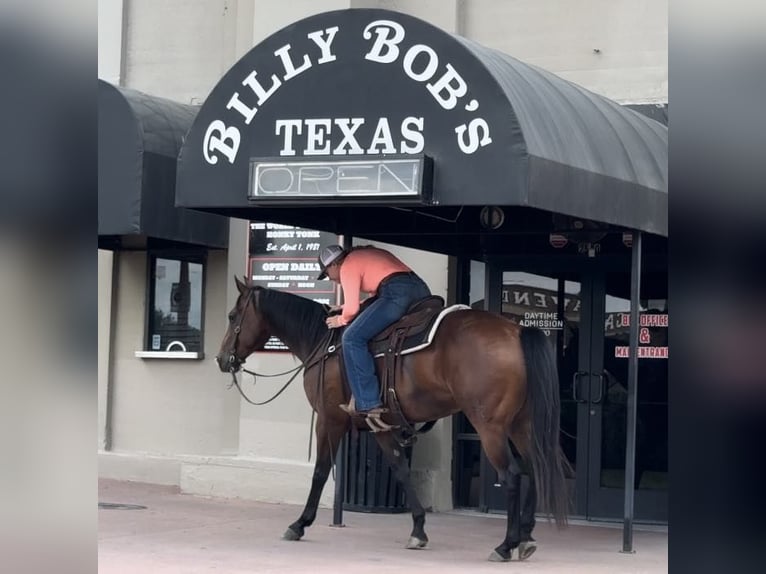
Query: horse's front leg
[
  {"x": 329, "y": 434},
  {"x": 395, "y": 456}
]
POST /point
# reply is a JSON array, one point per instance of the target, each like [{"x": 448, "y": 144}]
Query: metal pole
[
  {"x": 340, "y": 457},
  {"x": 340, "y": 483},
  {"x": 630, "y": 446}
]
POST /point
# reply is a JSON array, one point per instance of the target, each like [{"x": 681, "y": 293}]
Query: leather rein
[{"x": 313, "y": 358}]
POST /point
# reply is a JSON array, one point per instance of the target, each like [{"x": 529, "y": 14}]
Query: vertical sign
[{"x": 284, "y": 257}]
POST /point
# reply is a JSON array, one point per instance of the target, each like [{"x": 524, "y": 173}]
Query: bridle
[
  {"x": 233, "y": 350},
  {"x": 307, "y": 364}
]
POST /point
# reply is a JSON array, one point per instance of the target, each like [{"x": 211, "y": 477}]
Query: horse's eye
[{"x": 232, "y": 316}]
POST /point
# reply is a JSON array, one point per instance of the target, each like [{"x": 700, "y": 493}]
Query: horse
[{"x": 501, "y": 375}]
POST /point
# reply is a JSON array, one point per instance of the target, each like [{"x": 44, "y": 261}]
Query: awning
[
  {"x": 373, "y": 86},
  {"x": 139, "y": 140}
]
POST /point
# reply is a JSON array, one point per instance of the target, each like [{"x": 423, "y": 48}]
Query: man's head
[{"x": 330, "y": 259}]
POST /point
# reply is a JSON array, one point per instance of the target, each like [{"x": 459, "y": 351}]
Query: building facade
[{"x": 172, "y": 419}]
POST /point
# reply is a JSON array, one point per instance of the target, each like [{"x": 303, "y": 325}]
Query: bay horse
[{"x": 500, "y": 375}]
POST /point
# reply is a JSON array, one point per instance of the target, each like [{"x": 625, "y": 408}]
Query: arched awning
[
  {"x": 140, "y": 137},
  {"x": 370, "y": 86}
]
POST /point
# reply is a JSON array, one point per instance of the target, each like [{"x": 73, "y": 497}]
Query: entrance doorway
[{"x": 585, "y": 314}]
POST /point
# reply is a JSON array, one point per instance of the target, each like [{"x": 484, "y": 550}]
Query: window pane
[{"x": 176, "y": 320}]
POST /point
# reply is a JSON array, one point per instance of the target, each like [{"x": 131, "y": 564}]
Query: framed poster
[{"x": 284, "y": 257}]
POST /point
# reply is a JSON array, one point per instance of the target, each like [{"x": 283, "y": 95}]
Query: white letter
[
  {"x": 257, "y": 88},
  {"x": 217, "y": 143},
  {"x": 414, "y": 136},
  {"x": 444, "y": 84},
  {"x": 430, "y": 69},
  {"x": 290, "y": 126},
  {"x": 382, "y": 136},
  {"x": 324, "y": 44},
  {"x": 236, "y": 103},
  {"x": 348, "y": 136},
  {"x": 381, "y": 28},
  {"x": 315, "y": 135},
  {"x": 290, "y": 70},
  {"x": 473, "y": 142}
]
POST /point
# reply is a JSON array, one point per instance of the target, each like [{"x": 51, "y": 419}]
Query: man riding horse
[{"x": 378, "y": 272}]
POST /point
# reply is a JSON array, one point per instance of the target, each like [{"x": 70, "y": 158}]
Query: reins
[
  {"x": 310, "y": 362},
  {"x": 316, "y": 356}
]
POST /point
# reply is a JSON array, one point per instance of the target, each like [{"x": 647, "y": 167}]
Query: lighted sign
[{"x": 406, "y": 178}]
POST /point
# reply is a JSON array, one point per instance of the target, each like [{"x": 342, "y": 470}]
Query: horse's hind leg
[
  {"x": 395, "y": 456},
  {"x": 527, "y": 546},
  {"x": 328, "y": 435},
  {"x": 497, "y": 447}
]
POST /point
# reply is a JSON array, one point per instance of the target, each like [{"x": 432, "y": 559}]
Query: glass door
[
  {"x": 585, "y": 314},
  {"x": 606, "y": 366}
]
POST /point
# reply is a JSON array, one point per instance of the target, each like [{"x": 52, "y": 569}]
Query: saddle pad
[{"x": 407, "y": 350}]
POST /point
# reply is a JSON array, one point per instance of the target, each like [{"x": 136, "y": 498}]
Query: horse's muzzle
[{"x": 228, "y": 363}]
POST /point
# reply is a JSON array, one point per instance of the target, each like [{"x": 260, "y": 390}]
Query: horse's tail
[{"x": 548, "y": 462}]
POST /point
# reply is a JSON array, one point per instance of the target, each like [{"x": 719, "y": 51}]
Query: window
[{"x": 174, "y": 325}]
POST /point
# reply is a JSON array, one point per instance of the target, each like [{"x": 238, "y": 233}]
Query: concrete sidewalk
[{"x": 185, "y": 534}]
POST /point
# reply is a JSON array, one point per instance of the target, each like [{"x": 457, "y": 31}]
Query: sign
[
  {"x": 284, "y": 257},
  {"x": 401, "y": 178},
  {"x": 363, "y": 85},
  {"x": 648, "y": 349}
]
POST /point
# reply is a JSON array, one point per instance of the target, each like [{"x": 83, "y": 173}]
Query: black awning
[
  {"x": 139, "y": 140},
  {"x": 367, "y": 85}
]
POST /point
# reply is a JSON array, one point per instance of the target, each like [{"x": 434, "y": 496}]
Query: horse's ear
[{"x": 241, "y": 287}]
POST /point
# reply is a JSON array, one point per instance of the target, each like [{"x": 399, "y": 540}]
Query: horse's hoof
[
  {"x": 497, "y": 557},
  {"x": 291, "y": 534},
  {"x": 415, "y": 543},
  {"x": 526, "y": 549}
]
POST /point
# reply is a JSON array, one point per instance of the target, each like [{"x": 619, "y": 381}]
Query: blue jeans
[{"x": 394, "y": 298}]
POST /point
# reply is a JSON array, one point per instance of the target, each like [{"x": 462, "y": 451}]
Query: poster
[{"x": 284, "y": 257}]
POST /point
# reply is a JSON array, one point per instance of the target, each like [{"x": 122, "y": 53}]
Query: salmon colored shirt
[{"x": 362, "y": 271}]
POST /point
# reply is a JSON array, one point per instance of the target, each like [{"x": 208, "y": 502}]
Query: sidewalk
[{"x": 184, "y": 534}]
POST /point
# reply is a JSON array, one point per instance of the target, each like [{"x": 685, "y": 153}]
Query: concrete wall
[
  {"x": 105, "y": 260},
  {"x": 110, "y": 37},
  {"x": 168, "y": 407},
  {"x": 561, "y": 36}
]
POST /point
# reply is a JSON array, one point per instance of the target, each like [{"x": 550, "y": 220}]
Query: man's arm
[{"x": 351, "y": 283}]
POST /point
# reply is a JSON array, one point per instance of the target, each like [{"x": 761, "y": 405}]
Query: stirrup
[
  {"x": 377, "y": 424},
  {"x": 349, "y": 408}
]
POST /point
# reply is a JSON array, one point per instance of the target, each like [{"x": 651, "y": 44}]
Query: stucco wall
[{"x": 169, "y": 406}]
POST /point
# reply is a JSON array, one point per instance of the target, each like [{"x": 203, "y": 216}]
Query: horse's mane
[{"x": 300, "y": 322}]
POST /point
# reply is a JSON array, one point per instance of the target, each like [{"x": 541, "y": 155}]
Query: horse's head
[{"x": 247, "y": 332}]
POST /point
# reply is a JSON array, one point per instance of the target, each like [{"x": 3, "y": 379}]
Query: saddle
[{"x": 409, "y": 332}]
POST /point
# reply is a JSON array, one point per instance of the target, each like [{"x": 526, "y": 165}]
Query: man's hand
[{"x": 334, "y": 322}]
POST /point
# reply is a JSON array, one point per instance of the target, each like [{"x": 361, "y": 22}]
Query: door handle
[
  {"x": 601, "y": 378},
  {"x": 575, "y": 380}
]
